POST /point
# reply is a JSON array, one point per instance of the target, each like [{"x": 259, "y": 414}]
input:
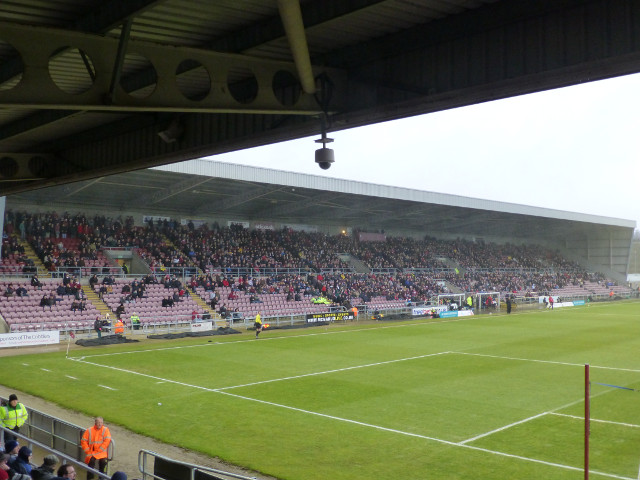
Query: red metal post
[{"x": 587, "y": 419}]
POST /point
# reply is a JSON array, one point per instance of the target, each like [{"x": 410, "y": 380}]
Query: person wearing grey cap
[{"x": 46, "y": 470}]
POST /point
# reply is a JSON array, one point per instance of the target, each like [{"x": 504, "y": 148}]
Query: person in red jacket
[{"x": 4, "y": 468}]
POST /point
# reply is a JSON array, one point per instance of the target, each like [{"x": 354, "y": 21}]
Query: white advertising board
[
  {"x": 28, "y": 339},
  {"x": 201, "y": 326},
  {"x": 428, "y": 310}
]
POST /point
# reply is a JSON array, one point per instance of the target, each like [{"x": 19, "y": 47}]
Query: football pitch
[{"x": 482, "y": 397}]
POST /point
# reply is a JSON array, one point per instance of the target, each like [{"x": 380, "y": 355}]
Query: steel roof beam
[
  {"x": 101, "y": 19},
  {"x": 171, "y": 191},
  {"x": 39, "y": 90},
  {"x": 252, "y": 192},
  {"x": 288, "y": 209}
]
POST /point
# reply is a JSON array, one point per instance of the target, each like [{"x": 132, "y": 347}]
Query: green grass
[{"x": 481, "y": 397}]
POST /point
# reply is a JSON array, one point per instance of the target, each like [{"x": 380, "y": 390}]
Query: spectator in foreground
[
  {"x": 4, "y": 468},
  {"x": 22, "y": 463},
  {"x": 66, "y": 471},
  {"x": 11, "y": 449},
  {"x": 46, "y": 470}
]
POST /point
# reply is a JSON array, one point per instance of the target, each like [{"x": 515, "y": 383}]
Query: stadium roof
[
  {"x": 90, "y": 88},
  {"x": 207, "y": 189}
]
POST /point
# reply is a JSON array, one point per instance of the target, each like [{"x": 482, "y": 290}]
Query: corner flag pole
[
  {"x": 71, "y": 335},
  {"x": 587, "y": 419}
]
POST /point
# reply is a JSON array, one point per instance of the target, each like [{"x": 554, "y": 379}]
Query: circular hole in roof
[
  {"x": 286, "y": 88},
  {"x": 139, "y": 77},
  {"x": 242, "y": 84},
  {"x": 8, "y": 167},
  {"x": 72, "y": 70},
  {"x": 193, "y": 80},
  {"x": 12, "y": 64}
]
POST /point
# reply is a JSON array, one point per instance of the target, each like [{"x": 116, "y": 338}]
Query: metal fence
[
  {"x": 46, "y": 434},
  {"x": 155, "y": 466},
  {"x": 49, "y": 434}
]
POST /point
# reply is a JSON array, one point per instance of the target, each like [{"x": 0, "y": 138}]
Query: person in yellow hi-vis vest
[
  {"x": 95, "y": 443},
  {"x": 257, "y": 323},
  {"x": 469, "y": 302},
  {"x": 135, "y": 321},
  {"x": 13, "y": 416}
]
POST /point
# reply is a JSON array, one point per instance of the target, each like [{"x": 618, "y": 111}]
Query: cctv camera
[{"x": 324, "y": 158}]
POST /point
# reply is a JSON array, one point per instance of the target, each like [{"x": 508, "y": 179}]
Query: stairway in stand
[
  {"x": 190, "y": 262},
  {"x": 215, "y": 317},
  {"x": 93, "y": 297},
  {"x": 198, "y": 299},
  {"x": 31, "y": 255}
]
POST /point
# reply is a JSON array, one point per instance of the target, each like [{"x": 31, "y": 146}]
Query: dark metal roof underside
[{"x": 86, "y": 86}]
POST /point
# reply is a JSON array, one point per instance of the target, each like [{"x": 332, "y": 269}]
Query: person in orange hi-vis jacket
[
  {"x": 119, "y": 327},
  {"x": 95, "y": 442}
]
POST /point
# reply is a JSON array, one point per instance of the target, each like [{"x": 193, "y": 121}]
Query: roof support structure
[{"x": 38, "y": 90}]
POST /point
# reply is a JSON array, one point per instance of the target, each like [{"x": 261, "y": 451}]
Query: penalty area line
[
  {"x": 355, "y": 422},
  {"x": 486, "y": 434},
  {"x": 345, "y": 369},
  {"x": 596, "y": 420},
  {"x": 550, "y": 362},
  {"x": 424, "y": 437}
]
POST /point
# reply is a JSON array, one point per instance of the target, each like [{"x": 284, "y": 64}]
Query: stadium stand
[{"x": 277, "y": 273}]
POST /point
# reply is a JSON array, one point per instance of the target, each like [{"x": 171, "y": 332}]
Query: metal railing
[
  {"x": 429, "y": 270},
  {"x": 49, "y": 435},
  {"x": 155, "y": 466},
  {"x": 64, "y": 457},
  {"x": 81, "y": 272},
  {"x": 52, "y": 435},
  {"x": 258, "y": 272}
]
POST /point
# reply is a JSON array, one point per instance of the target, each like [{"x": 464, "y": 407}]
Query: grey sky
[{"x": 571, "y": 149}]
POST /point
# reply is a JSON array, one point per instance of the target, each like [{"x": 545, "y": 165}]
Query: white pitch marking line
[
  {"x": 332, "y": 371},
  {"x": 143, "y": 375},
  {"x": 44, "y": 369},
  {"x": 163, "y": 380},
  {"x": 445, "y": 442},
  {"x": 416, "y": 435},
  {"x": 486, "y": 434},
  {"x": 108, "y": 388},
  {"x": 552, "y": 362},
  {"x": 551, "y": 412},
  {"x": 252, "y": 340},
  {"x": 72, "y": 378},
  {"x": 632, "y": 425}
]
